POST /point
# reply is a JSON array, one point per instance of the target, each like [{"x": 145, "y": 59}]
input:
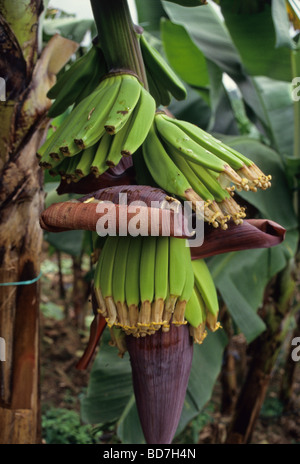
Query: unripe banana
[
  {"x": 179, "y": 310},
  {"x": 132, "y": 281},
  {"x": 162, "y": 74},
  {"x": 147, "y": 272},
  {"x": 127, "y": 98},
  {"x": 84, "y": 166},
  {"x": 178, "y": 253},
  {"x": 92, "y": 126},
  {"x": 106, "y": 275},
  {"x": 140, "y": 123},
  {"x": 118, "y": 280},
  {"x": 161, "y": 281},
  {"x": 206, "y": 287},
  {"x": 98, "y": 165}
]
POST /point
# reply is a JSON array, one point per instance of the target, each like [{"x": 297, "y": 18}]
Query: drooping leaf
[
  {"x": 276, "y": 100},
  {"x": 281, "y": 24},
  {"x": 275, "y": 203},
  {"x": 110, "y": 386},
  {"x": 149, "y": 14},
  {"x": 252, "y": 31},
  {"x": 209, "y": 33},
  {"x": 184, "y": 56}
]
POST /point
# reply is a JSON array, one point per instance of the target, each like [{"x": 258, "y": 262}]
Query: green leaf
[
  {"x": 276, "y": 203},
  {"x": 276, "y": 100},
  {"x": 254, "y": 35},
  {"x": 206, "y": 366},
  {"x": 184, "y": 56},
  {"x": 69, "y": 242},
  {"x": 110, "y": 385},
  {"x": 281, "y": 24},
  {"x": 234, "y": 275},
  {"x": 193, "y": 109},
  {"x": 149, "y": 14},
  {"x": 209, "y": 33},
  {"x": 129, "y": 428}
]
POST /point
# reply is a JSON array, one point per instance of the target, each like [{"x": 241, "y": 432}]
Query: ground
[{"x": 63, "y": 342}]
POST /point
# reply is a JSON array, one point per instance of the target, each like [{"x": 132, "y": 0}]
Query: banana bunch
[
  {"x": 143, "y": 284},
  {"x": 162, "y": 80},
  {"x": 109, "y": 123},
  {"x": 202, "y": 308},
  {"x": 190, "y": 163},
  {"x": 78, "y": 81}
]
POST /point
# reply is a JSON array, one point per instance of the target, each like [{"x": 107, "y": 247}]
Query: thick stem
[{"x": 118, "y": 37}]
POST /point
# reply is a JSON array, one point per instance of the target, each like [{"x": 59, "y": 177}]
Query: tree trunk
[
  {"x": 23, "y": 127},
  {"x": 264, "y": 350}
]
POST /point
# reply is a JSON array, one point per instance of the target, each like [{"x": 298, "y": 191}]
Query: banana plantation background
[{"x": 237, "y": 61}]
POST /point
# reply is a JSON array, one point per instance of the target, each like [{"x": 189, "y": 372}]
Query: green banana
[
  {"x": 179, "y": 310},
  {"x": 196, "y": 313},
  {"x": 185, "y": 146},
  {"x": 252, "y": 176},
  {"x": 207, "y": 141},
  {"x": 161, "y": 281},
  {"x": 92, "y": 126},
  {"x": 106, "y": 275},
  {"x": 71, "y": 84},
  {"x": 164, "y": 171},
  {"x": 84, "y": 166},
  {"x": 126, "y": 100},
  {"x": 212, "y": 212},
  {"x": 114, "y": 154},
  {"x": 159, "y": 93},
  {"x": 72, "y": 74},
  {"x": 147, "y": 272},
  {"x": 193, "y": 311},
  {"x": 118, "y": 280},
  {"x": 178, "y": 252},
  {"x": 132, "y": 281},
  {"x": 206, "y": 287},
  {"x": 98, "y": 71},
  {"x": 140, "y": 123},
  {"x": 164, "y": 75},
  {"x": 70, "y": 173},
  {"x": 98, "y": 165},
  {"x": 191, "y": 150},
  {"x": 62, "y": 141}
]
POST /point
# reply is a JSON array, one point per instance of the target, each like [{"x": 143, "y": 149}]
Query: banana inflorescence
[
  {"x": 143, "y": 284},
  {"x": 190, "y": 163},
  {"x": 111, "y": 122}
]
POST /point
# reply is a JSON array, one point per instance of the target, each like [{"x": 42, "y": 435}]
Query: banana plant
[
  {"x": 126, "y": 116},
  {"x": 28, "y": 72}
]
